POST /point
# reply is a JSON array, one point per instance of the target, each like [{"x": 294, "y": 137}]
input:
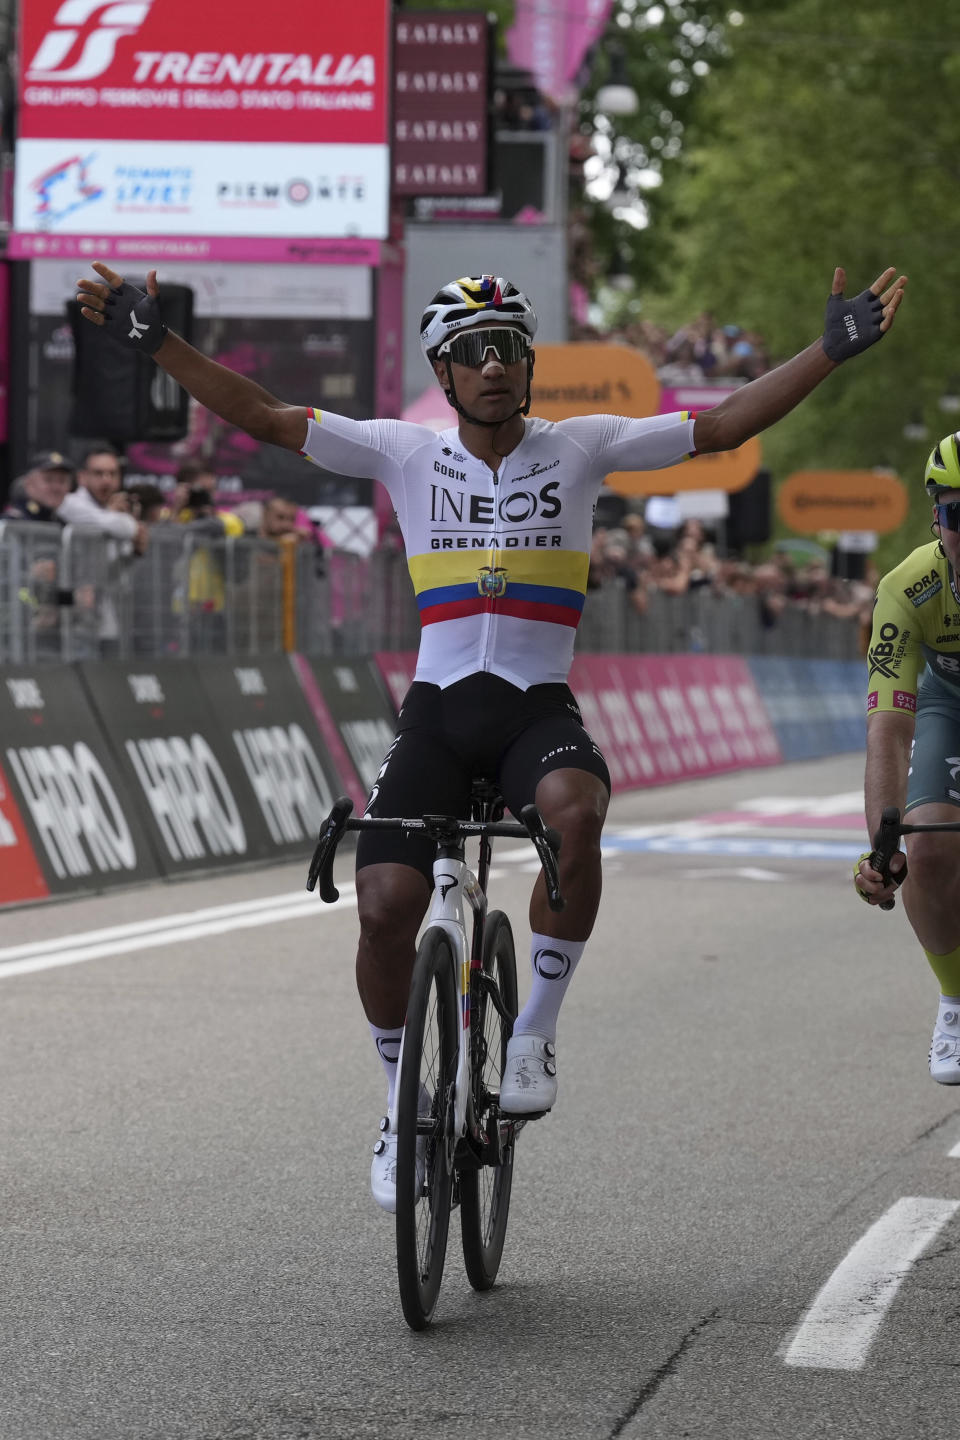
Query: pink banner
[
  {"x": 4, "y": 351},
  {"x": 660, "y": 718},
  {"x": 551, "y": 40},
  {"x": 657, "y": 718},
  {"x": 389, "y": 313},
  {"x": 693, "y": 397},
  {"x": 146, "y": 248},
  {"x": 327, "y": 726}
]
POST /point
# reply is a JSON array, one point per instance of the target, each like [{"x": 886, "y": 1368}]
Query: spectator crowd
[
  {"x": 628, "y": 550},
  {"x": 678, "y": 560}
]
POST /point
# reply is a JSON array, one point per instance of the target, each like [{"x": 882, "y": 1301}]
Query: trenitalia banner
[{"x": 169, "y": 118}]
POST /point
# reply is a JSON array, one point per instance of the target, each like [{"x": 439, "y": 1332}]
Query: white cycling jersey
[{"x": 499, "y": 560}]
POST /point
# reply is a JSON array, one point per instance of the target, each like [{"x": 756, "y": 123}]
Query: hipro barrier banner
[
  {"x": 180, "y": 772},
  {"x": 286, "y": 763},
  {"x": 66, "y": 823}
]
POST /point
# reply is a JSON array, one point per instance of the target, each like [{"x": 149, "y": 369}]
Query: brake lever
[
  {"x": 886, "y": 843},
  {"x": 320, "y": 873},
  {"x": 546, "y": 842}
]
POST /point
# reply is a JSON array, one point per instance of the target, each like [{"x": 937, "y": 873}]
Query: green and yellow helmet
[{"x": 943, "y": 467}]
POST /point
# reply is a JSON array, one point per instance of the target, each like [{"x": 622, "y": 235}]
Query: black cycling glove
[
  {"x": 132, "y": 318},
  {"x": 851, "y": 325}
]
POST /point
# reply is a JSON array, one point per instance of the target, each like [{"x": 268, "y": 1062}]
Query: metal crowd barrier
[{"x": 68, "y": 593}]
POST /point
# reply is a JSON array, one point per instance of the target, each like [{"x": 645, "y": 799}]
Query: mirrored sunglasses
[
  {"x": 948, "y": 515},
  {"x": 471, "y": 347}
]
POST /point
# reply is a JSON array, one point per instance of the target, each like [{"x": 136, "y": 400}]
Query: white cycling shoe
[
  {"x": 529, "y": 1084},
  {"x": 945, "y": 1045},
  {"x": 383, "y": 1169}
]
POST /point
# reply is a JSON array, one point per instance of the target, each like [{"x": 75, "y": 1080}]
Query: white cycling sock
[
  {"x": 388, "y": 1048},
  {"x": 553, "y": 963}
]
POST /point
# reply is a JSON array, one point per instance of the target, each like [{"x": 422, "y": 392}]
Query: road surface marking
[
  {"x": 165, "y": 930},
  {"x": 842, "y": 1323}
]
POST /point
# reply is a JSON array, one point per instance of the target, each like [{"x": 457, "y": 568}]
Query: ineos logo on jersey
[
  {"x": 551, "y": 964},
  {"x": 96, "y": 56},
  {"x": 512, "y": 509}
]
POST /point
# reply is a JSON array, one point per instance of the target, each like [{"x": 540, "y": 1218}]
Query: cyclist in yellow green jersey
[{"x": 913, "y": 743}]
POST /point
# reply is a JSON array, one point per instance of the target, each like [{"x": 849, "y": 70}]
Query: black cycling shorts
[
  {"x": 934, "y": 767},
  {"x": 480, "y": 727}
]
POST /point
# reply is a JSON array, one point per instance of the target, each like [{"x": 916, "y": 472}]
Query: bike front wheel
[
  {"x": 425, "y": 1142},
  {"x": 485, "y": 1191}
]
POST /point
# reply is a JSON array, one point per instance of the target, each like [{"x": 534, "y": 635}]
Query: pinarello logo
[
  {"x": 299, "y": 192},
  {"x": 115, "y": 19},
  {"x": 552, "y": 964}
]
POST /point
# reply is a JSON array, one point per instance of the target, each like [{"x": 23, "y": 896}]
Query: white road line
[
  {"x": 158, "y": 922},
  {"x": 841, "y": 1324},
  {"x": 955, "y": 1152},
  {"x": 166, "y": 930}
]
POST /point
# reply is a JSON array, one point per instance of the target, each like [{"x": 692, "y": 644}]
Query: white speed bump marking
[{"x": 841, "y": 1324}]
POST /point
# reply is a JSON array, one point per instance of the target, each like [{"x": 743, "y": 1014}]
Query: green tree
[{"x": 825, "y": 140}]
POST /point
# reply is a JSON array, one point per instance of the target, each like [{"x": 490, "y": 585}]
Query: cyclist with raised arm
[
  {"x": 913, "y": 744},
  {"x": 496, "y": 514}
]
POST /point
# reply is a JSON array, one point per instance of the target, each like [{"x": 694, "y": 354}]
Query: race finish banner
[
  {"x": 164, "y": 118},
  {"x": 284, "y": 757},
  {"x": 65, "y": 821}
]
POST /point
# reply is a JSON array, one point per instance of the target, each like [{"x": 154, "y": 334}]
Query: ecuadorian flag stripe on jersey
[{"x": 548, "y": 586}]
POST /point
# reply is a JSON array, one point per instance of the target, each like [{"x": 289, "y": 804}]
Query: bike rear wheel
[
  {"x": 485, "y": 1191},
  {"x": 424, "y": 1130}
]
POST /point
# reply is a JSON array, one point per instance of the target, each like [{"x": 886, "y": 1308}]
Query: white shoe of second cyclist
[
  {"x": 529, "y": 1084},
  {"x": 945, "y": 1045}
]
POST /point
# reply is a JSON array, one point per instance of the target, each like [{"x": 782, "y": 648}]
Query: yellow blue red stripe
[{"x": 548, "y": 586}]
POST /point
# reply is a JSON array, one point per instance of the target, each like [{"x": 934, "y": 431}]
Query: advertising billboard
[
  {"x": 440, "y": 102},
  {"x": 165, "y": 118}
]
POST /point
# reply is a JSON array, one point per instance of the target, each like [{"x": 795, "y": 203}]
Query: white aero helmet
[{"x": 471, "y": 300}]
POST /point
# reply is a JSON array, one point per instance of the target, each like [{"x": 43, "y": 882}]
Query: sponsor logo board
[
  {"x": 288, "y": 768},
  {"x": 65, "y": 786},
  {"x": 154, "y": 117},
  {"x": 179, "y": 772}
]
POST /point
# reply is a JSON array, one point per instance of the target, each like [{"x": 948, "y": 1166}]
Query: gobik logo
[{"x": 96, "y": 49}]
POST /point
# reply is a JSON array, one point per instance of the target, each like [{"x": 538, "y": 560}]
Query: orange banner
[
  {"x": 593, "y": 380},
  {"x": 725, "y": 470},
  {"x": 812, "y": 500}
]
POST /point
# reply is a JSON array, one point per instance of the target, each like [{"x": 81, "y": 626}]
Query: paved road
[{"x": 188, "y": 1248}]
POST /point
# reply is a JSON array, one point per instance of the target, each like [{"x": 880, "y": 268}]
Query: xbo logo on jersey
[
  {"x": 98, "y": 48},
  {"x": 884, "y": 658}
]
